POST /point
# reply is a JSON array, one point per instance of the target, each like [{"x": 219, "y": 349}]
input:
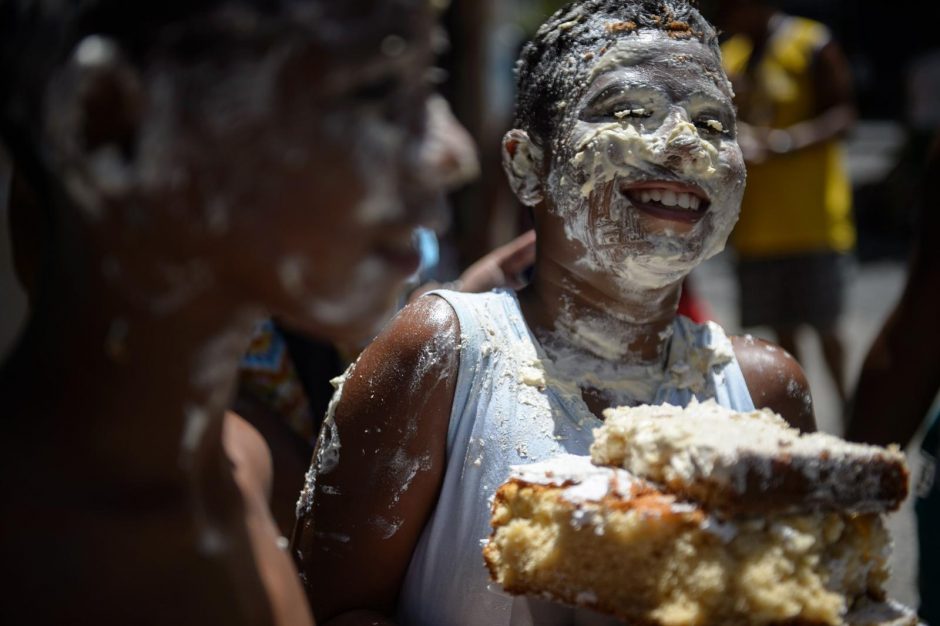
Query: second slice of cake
[{"x": 749, "y": 463}]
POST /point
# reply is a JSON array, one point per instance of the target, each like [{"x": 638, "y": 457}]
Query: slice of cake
[
  {"x": 602, "y": 538},
  {"x": 741, "y": 463}
]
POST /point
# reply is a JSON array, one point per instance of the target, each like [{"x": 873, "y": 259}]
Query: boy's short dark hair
[{"x": 551, "y": 64}]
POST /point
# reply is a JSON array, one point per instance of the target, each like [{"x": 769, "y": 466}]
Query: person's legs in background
[
  {"x": 833, "y": 351},
  {"x": 826, "y": 276},
  {"x": 790, "y": 292}
]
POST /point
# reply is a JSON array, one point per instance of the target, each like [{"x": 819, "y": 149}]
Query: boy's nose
[
  {"x": 684, "y": 147},
  {"x": 682, "y": 137}
]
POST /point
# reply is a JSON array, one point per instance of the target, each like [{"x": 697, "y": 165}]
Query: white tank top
[{"x": 508, "y": 411}]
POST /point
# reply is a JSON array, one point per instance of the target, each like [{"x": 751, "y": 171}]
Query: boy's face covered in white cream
[{"x": 646, "y": 175}]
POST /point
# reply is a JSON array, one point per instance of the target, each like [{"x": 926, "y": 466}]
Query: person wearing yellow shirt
[{"x": 796, "y": 234}]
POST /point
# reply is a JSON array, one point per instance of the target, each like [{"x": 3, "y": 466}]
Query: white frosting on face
[{"x": 649, "y": 113}]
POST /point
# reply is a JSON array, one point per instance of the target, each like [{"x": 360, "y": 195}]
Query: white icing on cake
[
  {"x": 706, "y": 442},
  {"x": 583, "y": 481}
]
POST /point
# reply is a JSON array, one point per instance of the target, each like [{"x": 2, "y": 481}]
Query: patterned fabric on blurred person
[{"x": 268, "y": 373}]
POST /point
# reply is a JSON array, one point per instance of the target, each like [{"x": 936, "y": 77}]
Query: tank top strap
[
  {"x": 484, "y": 318},
  {"x": 705, "y": 351}
]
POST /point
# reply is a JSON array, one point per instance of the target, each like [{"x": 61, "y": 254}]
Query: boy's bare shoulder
[
  {"x": 415, "y": 352},
  {"x": 423, "y": 333},
  {"x": 429, "y": 320},
  {"x": 776, "y": 380}
]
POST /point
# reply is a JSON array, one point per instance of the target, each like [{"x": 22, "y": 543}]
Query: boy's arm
[
  {"x": 776, "y": 381},
  {"x": 384, "y": 467}
]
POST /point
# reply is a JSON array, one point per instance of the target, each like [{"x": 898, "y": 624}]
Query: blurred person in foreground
[
  {"x": 900, "y": 380},
  {"x": 794, "y": 94},
  {"x": 199, "y": 165}
]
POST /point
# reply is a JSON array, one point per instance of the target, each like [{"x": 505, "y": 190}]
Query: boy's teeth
[{"x": 669, "y": 198}]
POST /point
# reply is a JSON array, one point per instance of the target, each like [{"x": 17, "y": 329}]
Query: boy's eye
[
  {"x": 711, "y": 126},
  {"x": 637, "y": 113}
]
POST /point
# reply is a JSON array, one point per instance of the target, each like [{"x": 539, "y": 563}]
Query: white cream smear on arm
[{"x": 326, "y": 456}]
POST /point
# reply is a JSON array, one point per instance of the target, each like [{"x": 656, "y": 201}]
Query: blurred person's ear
[
  {"x": 95, "y": 114},
  {"x": 523, "y": 162}
]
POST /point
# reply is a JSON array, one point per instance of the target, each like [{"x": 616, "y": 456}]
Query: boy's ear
[{"x": 523, "y": 162}]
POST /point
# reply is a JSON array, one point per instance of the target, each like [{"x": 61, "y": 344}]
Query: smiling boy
[{"x": 625, "y": 148}]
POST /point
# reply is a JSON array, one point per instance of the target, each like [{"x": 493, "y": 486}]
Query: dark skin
[
  {"x": 398, "y": 399},
  {"x": 131, "y": 494}
]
